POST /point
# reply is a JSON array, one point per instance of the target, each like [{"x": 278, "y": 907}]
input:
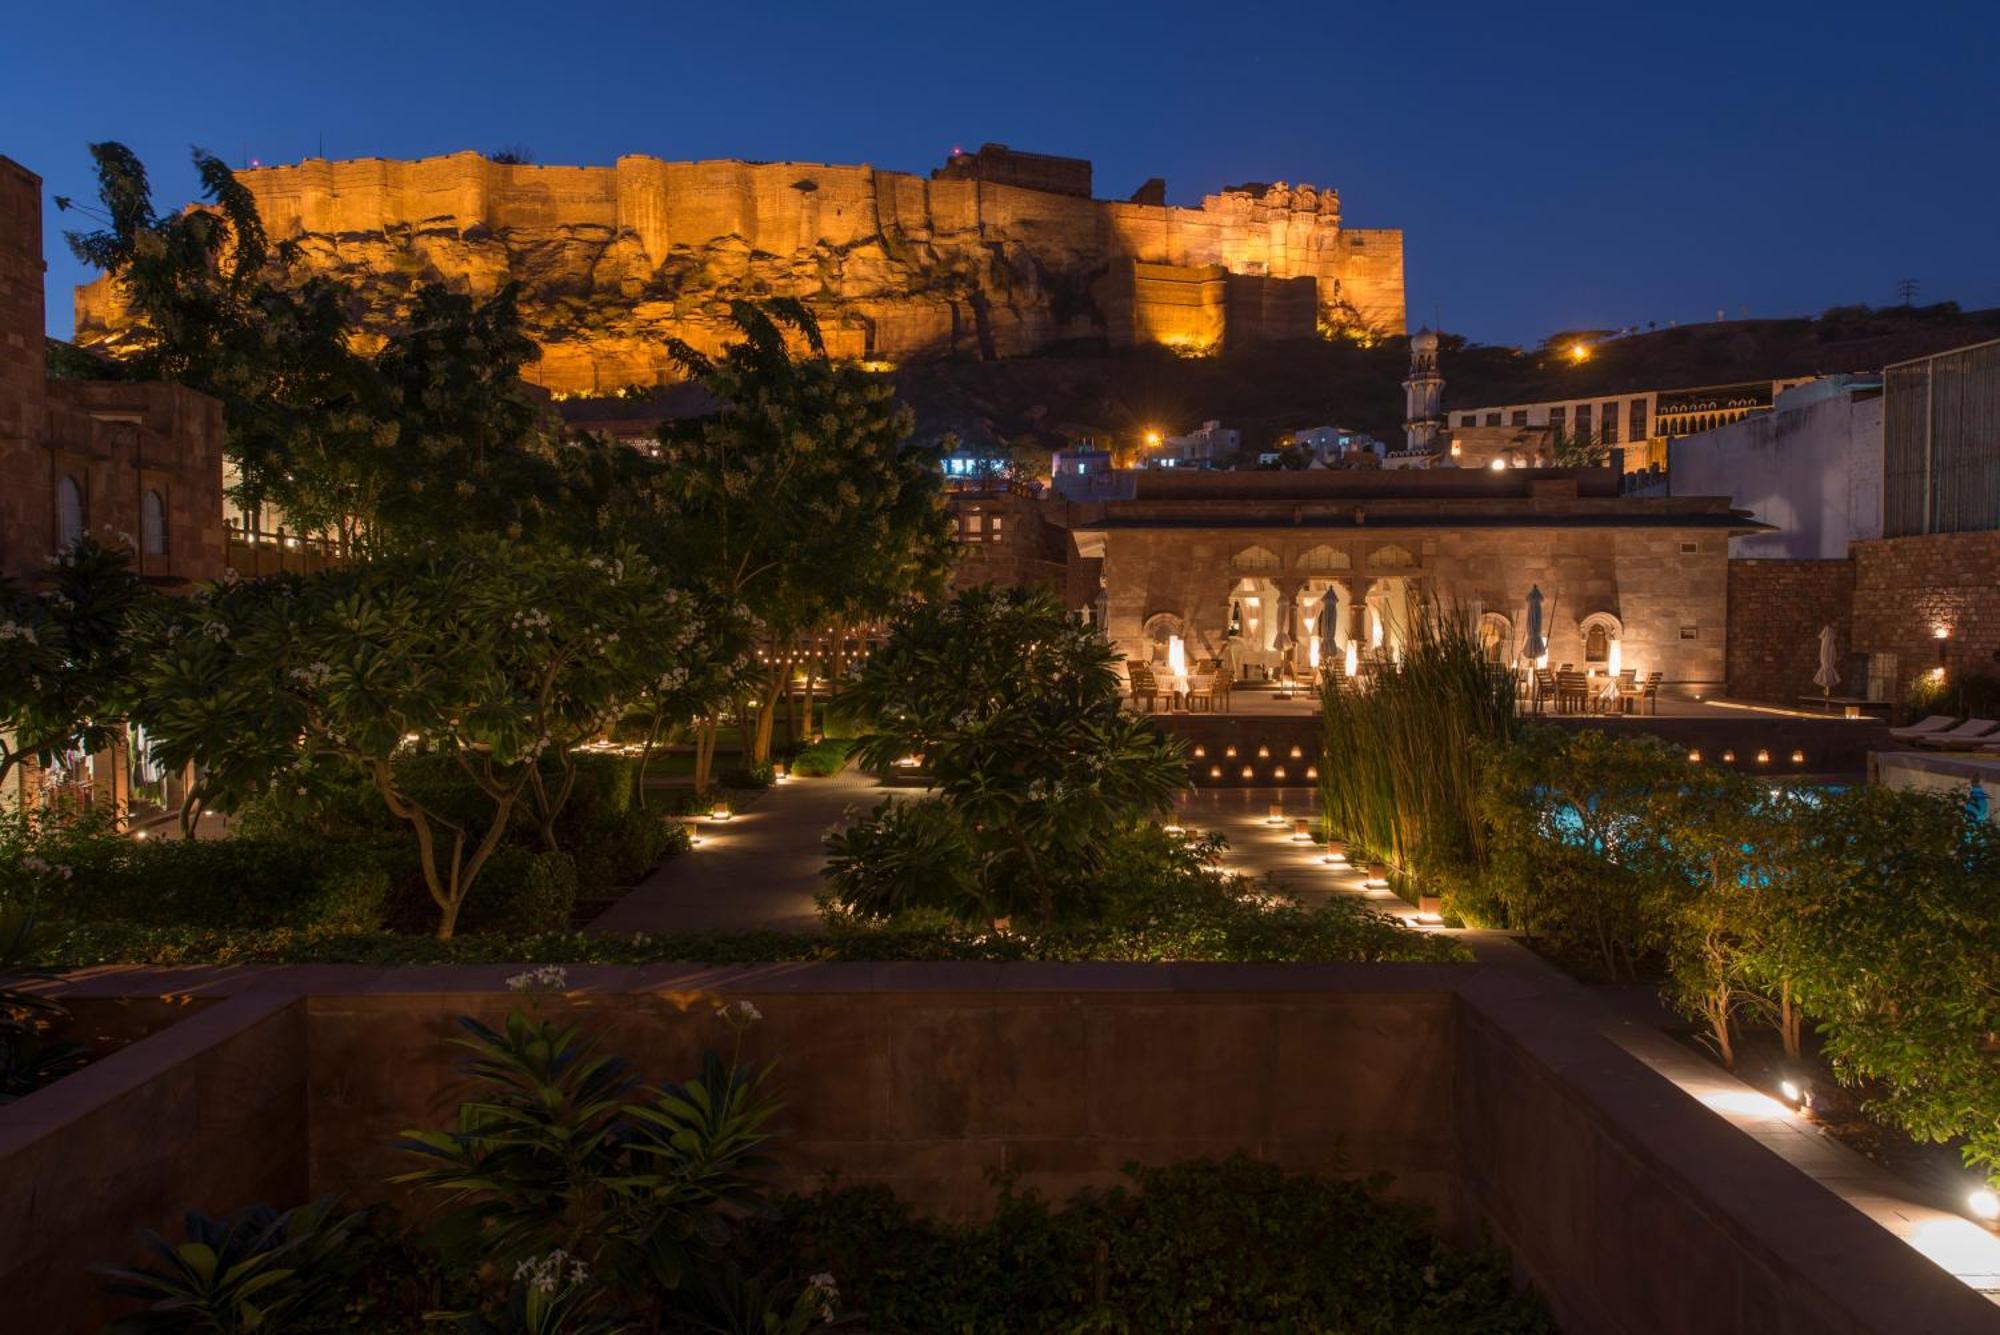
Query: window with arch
[
  {"x": 1160, "y": 630},
  {"x": 152, "y": 523},
  {"x": 1256, "y": 558},
  {"x": 1391, "y": 557},
  {"x": 71, "y": 521},
  {"x": 1496, "y": 637},
  {"x": 1323, "y": 558},
  {"x": 1599, "y": 629}
]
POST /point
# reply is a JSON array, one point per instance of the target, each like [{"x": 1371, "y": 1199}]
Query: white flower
[
  {"x": 547, "y": 978},
  {"x": 739, "y": 1012},
  {"x": 822, "y": 1287}
]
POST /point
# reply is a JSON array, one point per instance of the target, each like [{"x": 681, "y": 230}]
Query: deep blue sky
[{"x": 1552, "y": 166}]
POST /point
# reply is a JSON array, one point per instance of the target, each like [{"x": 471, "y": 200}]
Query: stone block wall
[
  {"x": 1776, "y": 609},
  {"x": 1908, "y": 589}
]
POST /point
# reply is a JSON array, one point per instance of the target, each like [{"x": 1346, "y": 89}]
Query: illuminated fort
[{"x": 996, "y": 254}]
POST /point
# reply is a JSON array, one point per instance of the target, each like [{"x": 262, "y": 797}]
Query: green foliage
[
  {"x": 66, "y": 665},
  {"x": 1204, "y": 1245},
  {"x": 496, "y": 660},
  {"x": 823, "y": 758},
  {"x": 563, "y": 1152},
  {"x": 524, "y": 893},
  {"x": 255, "y": 1270},
  {"x": 1960, "y": 694},
  {"x": 1578, "y": 858},
  {"x": 1888, "y": 930},
  {"x": 1405, "y": 753},
  {"x": 1014, "y": 708}
]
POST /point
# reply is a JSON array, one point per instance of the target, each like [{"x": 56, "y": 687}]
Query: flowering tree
[
  {"x": 65, "y": 655},
  {"x": 499, "y": 659}
]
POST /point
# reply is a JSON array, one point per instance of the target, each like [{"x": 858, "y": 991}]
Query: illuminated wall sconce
[
  {"x": 1312, "y": 773},
  {"x": 1729, "y": 757},
  {"x": 1276, "y": 816},
  {"x": 1694, "y": 757},
  {"x": 1297, "y": 754},
  {"x": 1249, "y": 773},
  {"x": 1798, "y": 757},
  {"x": 1278, "y": 773},
  {"x": 1200, "y": 752},
  {"x": 1336, "y": 853},
  {"x": 1229, "y": 752},
  {"x": 1263, "y": 753},
  {"x": 1215, "y": 771},
  {"x": 1763, "y": 757}
]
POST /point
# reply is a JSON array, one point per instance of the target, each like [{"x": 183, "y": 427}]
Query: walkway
[
  {"x": 1258, "y": 846},
  {"x": 760, "y": 869}
]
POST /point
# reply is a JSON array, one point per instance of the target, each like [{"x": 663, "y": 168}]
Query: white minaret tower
[{"x": 1423, "y": 394}]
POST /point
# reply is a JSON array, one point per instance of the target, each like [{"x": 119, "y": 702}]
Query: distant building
[
  {"x": 1333, "y": 445},
  {"x": 1811, "y": 468},
  {"x": 1641, "y": 422},
  {"x": 1206, "y": 447},
  {"x": 1002, "y": 165},
  {"x": 1423, "y": 396},
  {"x": 1941, "y": 441},
  {"x": 126, "y": 463}
]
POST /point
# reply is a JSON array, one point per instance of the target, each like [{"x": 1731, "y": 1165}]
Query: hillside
[{"x": 1279, "y": 387}]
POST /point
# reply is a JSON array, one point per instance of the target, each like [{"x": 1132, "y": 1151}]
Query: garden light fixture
[{"x": 1985, "y": 1206}]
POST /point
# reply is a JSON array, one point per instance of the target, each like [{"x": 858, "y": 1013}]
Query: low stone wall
[
  {"x": 1489, "y": 1091},
  {"x": 1776, "y": 609},
  {"x": 208, "y": 1113}
]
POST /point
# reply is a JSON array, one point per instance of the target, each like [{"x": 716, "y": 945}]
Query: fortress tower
[{"x": 1423, "y": 394}]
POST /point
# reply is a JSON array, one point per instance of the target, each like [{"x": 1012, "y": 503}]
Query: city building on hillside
[
  {"x": 1333, "y": 445},
  {"x": 1640, "y": 422},
  {"x": 1498, "y": 447},
  {"x": 1209, "y": 445},
  {"x": 1811, "y": 468}
]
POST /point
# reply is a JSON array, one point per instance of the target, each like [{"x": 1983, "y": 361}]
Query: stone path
[
  {"x": 760, "y": 869},
  {"x": 1257, "y": 846}
]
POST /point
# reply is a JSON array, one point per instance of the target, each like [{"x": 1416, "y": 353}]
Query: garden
[{"x": 1840, "y": 946}]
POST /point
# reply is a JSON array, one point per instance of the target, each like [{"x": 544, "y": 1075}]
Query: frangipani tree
[{"x": 500, "y": 659}]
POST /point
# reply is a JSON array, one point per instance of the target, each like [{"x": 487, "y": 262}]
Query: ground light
[
  {"x": 1277, "y": 816},
  {"x": 1378, "y": 876},
  {"x": 1796, "y": 1092},
  {"x": 720, "y": 811},
  {"x": 1336, "y": 853},
  {"x": 1173, "y": 827},
  {"x": 1302, "y": 831}
]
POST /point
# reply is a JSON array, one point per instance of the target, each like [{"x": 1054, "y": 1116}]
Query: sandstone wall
[
  {"x": 1776, "y": 609},
  {"x": 613, "y": 260},
  {"x": 1907, "y": 589}
]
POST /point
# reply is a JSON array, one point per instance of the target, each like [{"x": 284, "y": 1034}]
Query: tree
[
  {"x": 1892, "y": 941},
  {"x": 801, "y": 499},
  {"x": 497, "y": 658},
  {"x": 65, "y": 654},
  {"x": 1579, "y": 448},
  {"x": 1013, "y": 706}
]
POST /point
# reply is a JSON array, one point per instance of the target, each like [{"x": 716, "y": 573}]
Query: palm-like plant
[
  {"x": 244, "y": 1272},
  {"x": 563, "y": 1148}
]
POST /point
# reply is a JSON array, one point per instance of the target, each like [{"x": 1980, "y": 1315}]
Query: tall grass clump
[{"x": 1402, "y": 752}]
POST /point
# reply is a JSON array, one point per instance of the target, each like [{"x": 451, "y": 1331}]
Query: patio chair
[
  {"x": 1218, "y": 691},
  {"x": 1545, "y": 689},
  {"x": 1201, "y": 691},
  {"x": 1628, "y": 691},
  {"x": 1649, "y": 694},
  {"x": 1144, "y": 688},
  {"x": 1572, "y": 692},
  {"x": 1963, "y": 737},
  {"x": 1935, "y": 723}
]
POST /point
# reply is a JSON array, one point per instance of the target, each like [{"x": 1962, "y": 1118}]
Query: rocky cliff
[{"x": 613, "y": 260}]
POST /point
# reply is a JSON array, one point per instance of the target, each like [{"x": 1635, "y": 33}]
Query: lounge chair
[
  {"x": 1936, "y": 723},
  {"x": 1964, "y": 736}
]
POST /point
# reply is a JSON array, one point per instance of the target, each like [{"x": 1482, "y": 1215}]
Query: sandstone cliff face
[{"x": 613, "y": 261}]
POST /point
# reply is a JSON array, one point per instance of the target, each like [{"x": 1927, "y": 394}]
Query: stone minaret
[{"x": 1423, "y": 394}]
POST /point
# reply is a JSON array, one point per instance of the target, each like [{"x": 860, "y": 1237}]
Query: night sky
[{"x": 1589, "y": 166}]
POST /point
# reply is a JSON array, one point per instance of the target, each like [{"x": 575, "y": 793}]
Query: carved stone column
[{"x": 1357, "y": 608}]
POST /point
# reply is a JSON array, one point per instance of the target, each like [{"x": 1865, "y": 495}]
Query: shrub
[
  {"x": 255, "y": 1269},
  {"x": 523, "y": 893},
  {"x": 1204, "y": 1245},
  {"x": 1961, "y": 694},
  {"x": 823, "y": 758},
  {"x": 905, "y": 855},
  {"x": 625, "y": 849}
]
